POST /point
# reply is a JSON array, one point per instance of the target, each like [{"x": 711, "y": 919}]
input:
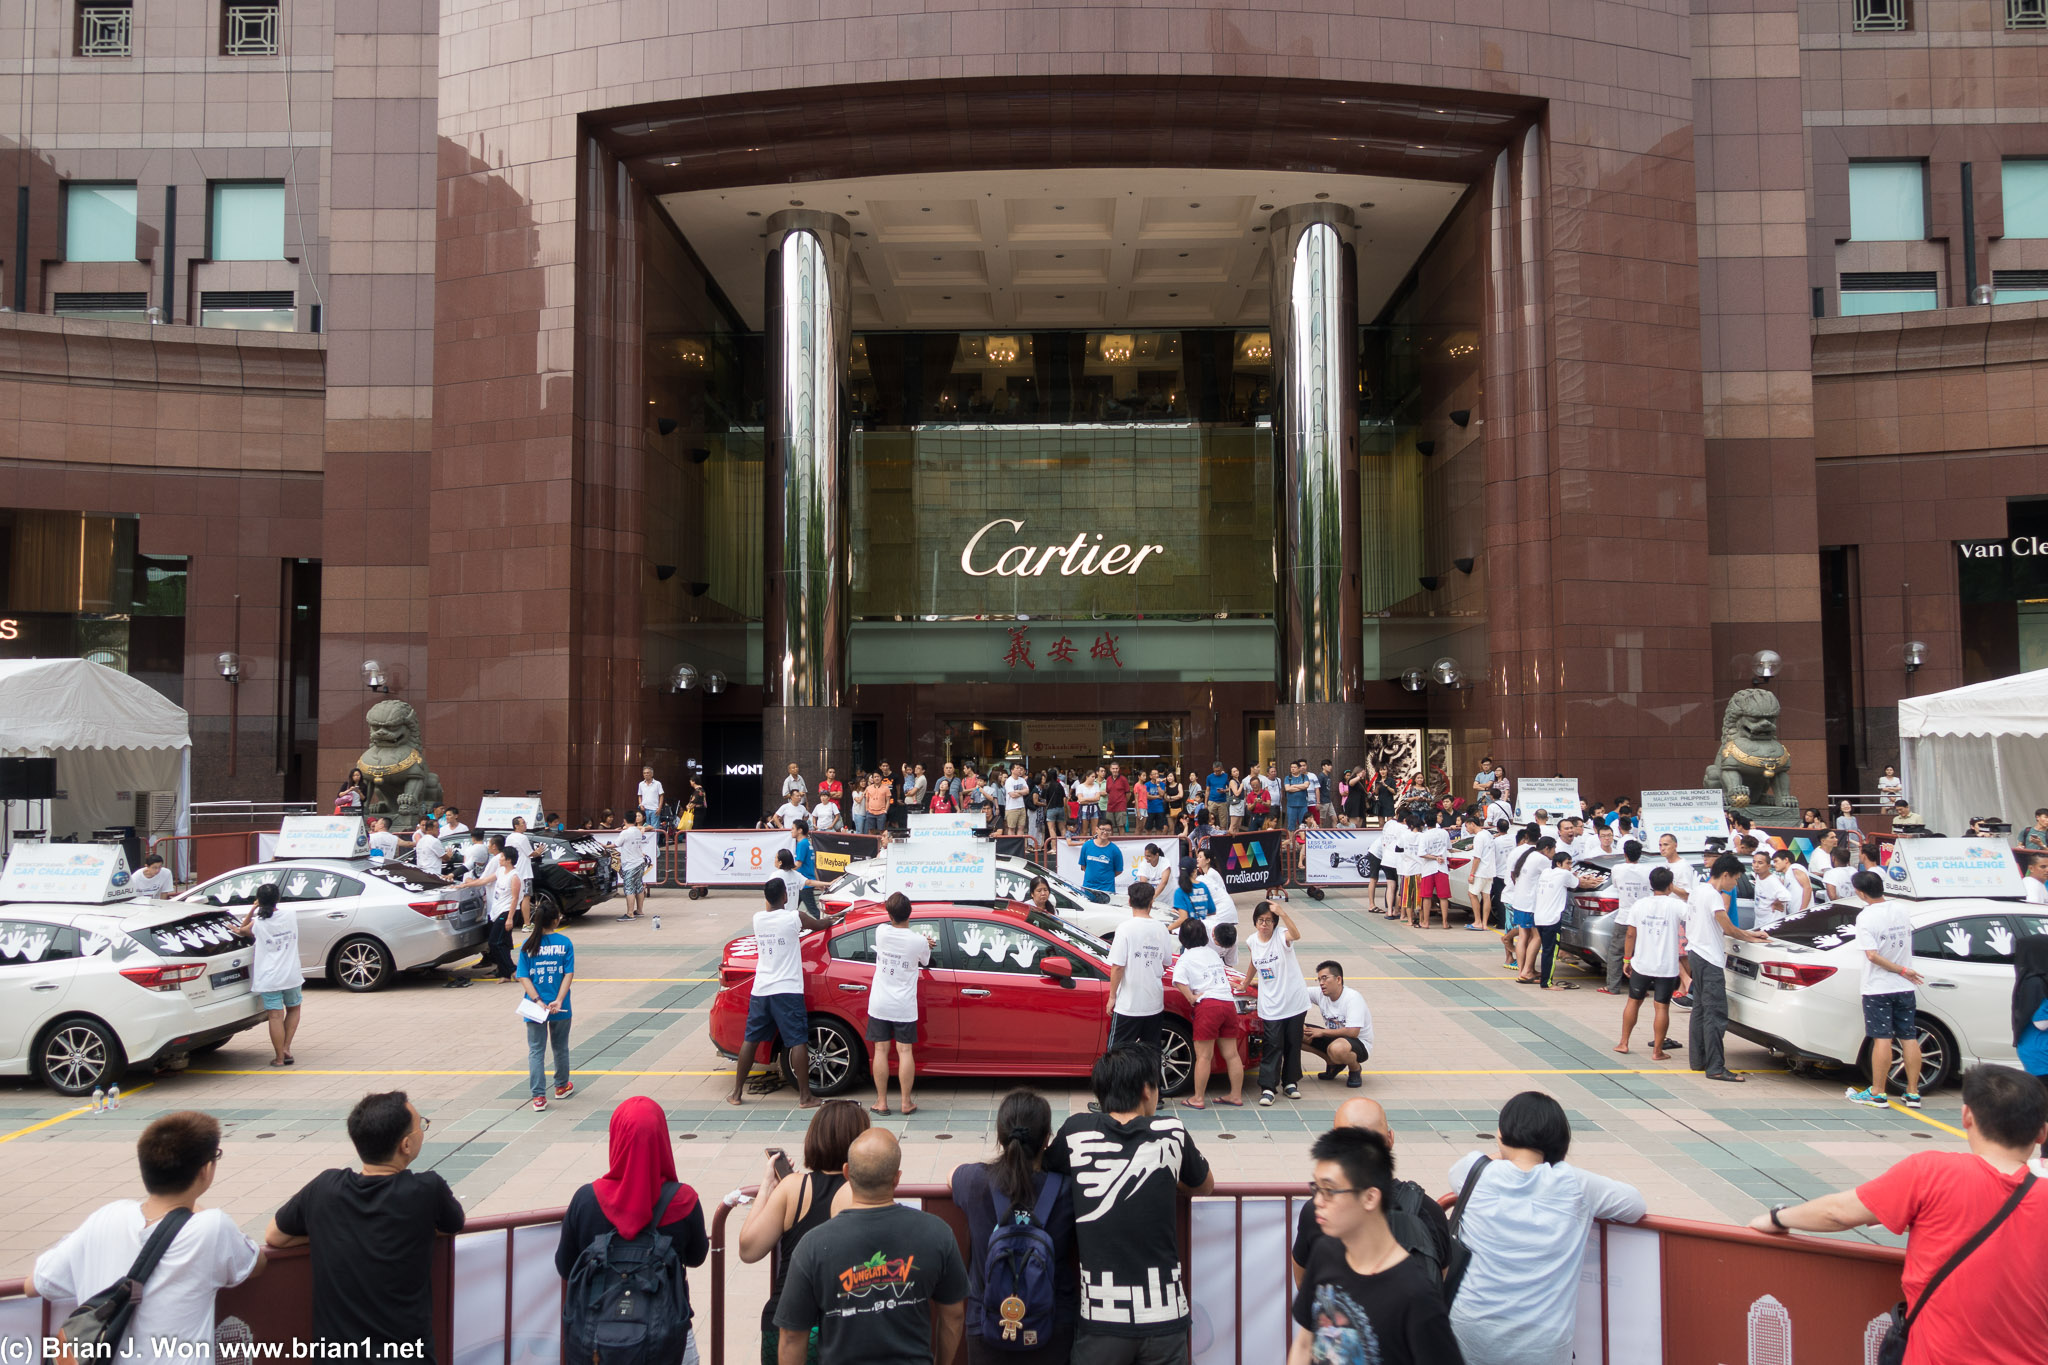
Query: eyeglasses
[
  {"x": 216, "y": 1155},
  {"x": 1323, "y": 1194}
]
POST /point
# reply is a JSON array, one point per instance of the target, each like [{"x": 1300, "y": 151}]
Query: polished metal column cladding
[
  {"x": 1317, "y": 550},
  {"x": 809, "y": 340}
]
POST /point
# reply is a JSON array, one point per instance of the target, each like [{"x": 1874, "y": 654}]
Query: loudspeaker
[{"x": 28, "y": 779}]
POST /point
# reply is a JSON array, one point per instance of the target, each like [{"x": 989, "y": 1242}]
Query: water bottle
[
  {"x": 99, "y": 1100},
  {"x": 657, "y": 921},
  {"x": 114, "y": 1097}
]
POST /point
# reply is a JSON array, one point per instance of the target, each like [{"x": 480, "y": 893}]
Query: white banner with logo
[
  {"x": 733, "y": 857},
  {"x": 496, "y": 812},
  {"x": 1337, "y": 857},
  {"x": 1555, "y": 795},
  {"x": 1133, "y": 845},
  {"x": 928, "y": 824},
  {"x": 319, "y": 836},
  {"x": 942, "y": 869},
  {"x": 70, "y": 874},
  {"x": 1692, "y": 815},
  {"x": 1931, "y": 869}
]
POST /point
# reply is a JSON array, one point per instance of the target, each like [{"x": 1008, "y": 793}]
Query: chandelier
[
  {"x": 1001, "y": 350},
  {"x": 1117, "y": 349}
]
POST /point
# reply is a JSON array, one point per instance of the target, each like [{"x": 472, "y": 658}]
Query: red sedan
[{"x": 1010, "y": 992}]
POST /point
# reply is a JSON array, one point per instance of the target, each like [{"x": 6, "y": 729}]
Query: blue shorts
[
  {"x": 283, "y": 1000},
  {"x": 1521, "y": 919},
  {"x": 770, "y": 1016},
  {"x": 1890, "y": 1015}
]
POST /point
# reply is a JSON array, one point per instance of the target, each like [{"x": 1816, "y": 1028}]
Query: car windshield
[{"x": 1071, "y": 935}]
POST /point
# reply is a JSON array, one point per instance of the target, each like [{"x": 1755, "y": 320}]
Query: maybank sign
[{"x": 1085, "y": 554}]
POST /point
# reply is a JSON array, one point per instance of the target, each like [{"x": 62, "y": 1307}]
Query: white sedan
[
  {"x": 863, "y": 882},
  {"x": 1801, "y": 993}
]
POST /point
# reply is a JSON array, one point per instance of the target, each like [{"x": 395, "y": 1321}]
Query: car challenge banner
[
  {"x": 1555, "y": 795},
  {"x": 926, "y": 823},
  {"x": 71, "y": 874},
  {"x": 498, "y": 812},
  {"x": 321, "y": 836},
  {"x": 1133, "y": 845},
  {"x": 1928, "y": 869},
  {"x": 1692, "y": 815},
  {"x": 1337, "y": 857},
  {"x": 1248, "y": 862},
  {"x": 942, "y": 869},
  {"x": 732, "y": 857},
  {"x": 835, "y": 850}
]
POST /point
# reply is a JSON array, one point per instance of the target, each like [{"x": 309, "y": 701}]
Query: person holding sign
[{"x": 900, "y": 954}]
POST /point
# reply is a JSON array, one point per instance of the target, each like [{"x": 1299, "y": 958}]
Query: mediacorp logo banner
[
  {"x": 737, "y": 857},
  {"x": 1248, "y": 862},
  {"x": 1337, "y": 857}
]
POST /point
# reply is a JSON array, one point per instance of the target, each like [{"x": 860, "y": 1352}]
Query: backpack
[
  {"x": 1017, "y": 1273},
  {"x": 97, "y": 1326},
  {"x": 624, "y": 1303},
  {"x": 1414, "y": 1236}
]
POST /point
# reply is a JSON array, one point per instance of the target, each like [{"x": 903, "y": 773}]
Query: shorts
[
  {"x": 1216, "y": 1019},
  {"x": 1890, "y": 1015},
  {"x": 892, "y": 1031},
  {"x": 634, "y": 876},
  {"x": 1014, "y": 819},
  {"x": 1521, "y": 919},
  {"x": 1436, "y": 884},
  {"x": 287, "y": 999},
  {"x": 770, "y": 1016},
  {"x": 1662, "y": 987},
  {"x": 1088, "y": 811},
  {"x": 1322, "y": 1048}
]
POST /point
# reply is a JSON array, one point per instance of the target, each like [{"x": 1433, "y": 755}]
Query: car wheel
[
  {"x": 360, "y": 964},
  {"x": 543, "y": 899},
  {"x": 1937, "y": 1058},
  {"x": 78, "y": 1056},
  {"x": 838, "y": 1058},
  {"x": 1176, "y": 1056}
]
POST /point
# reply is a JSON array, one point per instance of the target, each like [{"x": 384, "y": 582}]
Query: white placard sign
[
  {"x": 69, "y": 874},
  {"x": 322, "y": 836},
  {"x": 735, "y": 857},
  {"x": 942, "y": 869},
  {"x": 1133, "y": 845},
  {"x": 1557, "y": 795},
  {"x": 1933, "y": 869},
  {"x": 1692, "y": 815},
  {"x": 927, "y": 824},
  {"x": 496, "y": 812},
  {"x": 1336, "y": 857}
]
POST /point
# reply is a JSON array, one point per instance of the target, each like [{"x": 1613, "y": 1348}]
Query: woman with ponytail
[
  {"x": 277, "y": 976},
  {"x": 998, "y": 1193},
  {"x": 547, "y": 968}
]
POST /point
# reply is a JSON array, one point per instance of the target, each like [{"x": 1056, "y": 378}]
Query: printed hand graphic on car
[
  {"x": 1957, "y": 941},
  {"x": 2001, "y": 940}
]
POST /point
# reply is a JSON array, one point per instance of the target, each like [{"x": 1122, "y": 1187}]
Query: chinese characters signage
[{"x": 1060, "y": 651}]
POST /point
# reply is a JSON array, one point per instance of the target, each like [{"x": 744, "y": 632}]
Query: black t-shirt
[
  {"x": 1126, "y": 1202},
  {"x": 372, "y": 1247},
  {"x": 1417, "y": 1222},
  {"x": 1393, "y": 1318},
  {"x": 867, "y": 1280},
  {"x": 585, "y": 1222}
]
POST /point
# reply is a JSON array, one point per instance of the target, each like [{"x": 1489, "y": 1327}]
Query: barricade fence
[{"x": 1663, "y": 1290}]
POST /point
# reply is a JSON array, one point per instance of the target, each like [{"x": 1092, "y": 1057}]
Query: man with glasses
[
  {"x": 179, "y": 1154},
  {"x": 372, "y": 1234}
]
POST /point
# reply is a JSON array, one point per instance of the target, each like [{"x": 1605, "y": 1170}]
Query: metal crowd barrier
[{"x": 1665, "y": 1289}]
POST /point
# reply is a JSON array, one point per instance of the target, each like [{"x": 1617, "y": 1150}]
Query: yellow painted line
[
  {"x": 1909, "y": 1113},
  {"x": 53, "y": 1122},
  {"x": 282, "y": 1072},
  {"x": 285, "y": 1071}
]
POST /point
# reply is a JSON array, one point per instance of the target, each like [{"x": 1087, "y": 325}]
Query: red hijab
[{"x": 642, "y": 1162}]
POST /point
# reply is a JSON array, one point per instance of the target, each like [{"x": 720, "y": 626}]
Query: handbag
[
  {"x": 1461, "y": 1255},
  {"x": 1892, "y": 1350},
  {"x": 96, "y": 1327}
]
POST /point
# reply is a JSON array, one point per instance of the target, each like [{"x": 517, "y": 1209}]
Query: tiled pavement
[{"x": 1454, "y": 1039}]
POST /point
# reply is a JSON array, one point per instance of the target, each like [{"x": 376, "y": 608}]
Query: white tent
[
  {"x": 1977, "y": 750},
  {"x": 115, "y": 739}
]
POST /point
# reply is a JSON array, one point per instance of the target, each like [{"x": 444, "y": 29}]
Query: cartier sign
[{"x": 1000, "y": 552}]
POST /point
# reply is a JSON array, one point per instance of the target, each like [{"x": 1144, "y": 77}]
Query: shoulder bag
[
  {"x": 1461, "y": 1255},
  {"x": 96, "y": 1327},
  {"x": 1892, "y": 1350}
]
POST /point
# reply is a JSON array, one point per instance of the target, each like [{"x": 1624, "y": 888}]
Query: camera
[{"x": 1989, "y": 824}]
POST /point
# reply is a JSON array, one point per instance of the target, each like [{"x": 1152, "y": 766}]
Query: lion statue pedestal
[
  {"x": 401, "y": 785},
  {"x": 1752, "y": 769}
]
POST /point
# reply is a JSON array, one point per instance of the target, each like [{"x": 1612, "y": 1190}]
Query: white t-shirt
[
  {"x": 158, "y": 883},
  {"x": 1201, "y": 971},
  {"x": 1553, "y": 889},
  {"x": 1394, "y": 850},
  {"x": 1087, "y": 793},
  {"x": 632, "y": 846},
  {"x": 789, "y": 812},
  {"x": 2035, "y": 892},
  {"x": 1656, "y": 920},
  {"x": 778, "y": 953},
  {"x": 795, "y": 881},
  {"x": 1014, "y": 789},
  {"x": 1773, "y": 900},
  {"x": 825, "y": 815},
  {"x": 1628, "y": 883},
  {"x": 793, "y": 783},
  {"x": 1522, "y": 890},
  {"x": 899, "y": 953},
  {"x": 1683, "y": 875},
  {"x": 522, "y": 846},
  {"x": 1587, "y": 845},
  {"x": 1155, "y": 873},
  {"x": 1432, "y": 852},
  {"x": 1219, "y": 896},
  {"x": 503, "y": 879},
  {"x": 1838, "y": 882},
  {"x": 277, "y": 951},
  {"x": 1482, "y": 858},
  {"x": 476, "y": 854},
  {"x": 209, "y": 1254},
  {"x": 650, "y": 795},
  {"x": 452, "y": 827},
  {"x": 1884, "y": 928},
  {"x": 1346, "y": 1011},
  {"x": 1282, "y": 992},
  {"x": 427, "y": 853},
  {"x": 1142, "y": 949},
  {"x": 1818, "y": 863},
  {"x": 1703, "y": 931},
  {"x": 385, "y": 841}
]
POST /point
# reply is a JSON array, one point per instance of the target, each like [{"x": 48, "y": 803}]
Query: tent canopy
[
  {"x": 2004, "y": 706},
  {"x": 48, "y": 705},
  {"x": 1980, "y": 750}
]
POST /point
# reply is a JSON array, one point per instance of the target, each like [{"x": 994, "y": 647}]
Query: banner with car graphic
[{"x": 1337, "y": 857}]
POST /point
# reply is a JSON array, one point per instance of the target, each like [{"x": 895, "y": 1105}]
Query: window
[
  {"x": 858, "y": 947},
  {"x": 2024, "y": 185},
  {"x": 317, "y": 884},
  {"x": 990, "y": 946},
  {"x": 1888, "y": 201},
  {"x": 253, "y": 310},
  {"x": 99, "y": 222},
  {"x": 106, "y": 28},
  {"x": 2020, "y": 286},
  {"x": 249, "y": 30},
  {"x": 1975, "y": 938},
  {"x": 26, "y": 942},
  {"x": 1888, "y": 291},
  {"x": 131, "y": 306},
  {"x": 2026, "y": 14},
  {"x": 248, "y": 222},
  {"x": 1882, "y": 16}
]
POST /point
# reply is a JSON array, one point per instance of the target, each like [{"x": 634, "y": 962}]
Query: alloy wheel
[{"x": 76, "y": 1058}]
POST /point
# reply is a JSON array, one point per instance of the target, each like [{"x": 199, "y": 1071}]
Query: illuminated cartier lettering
[{"x": 1084, "y": 555}]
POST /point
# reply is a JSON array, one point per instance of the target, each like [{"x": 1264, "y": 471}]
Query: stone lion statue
[
  {"x": 1751, "y": 766},
  {"x": 400, "y": 782}
]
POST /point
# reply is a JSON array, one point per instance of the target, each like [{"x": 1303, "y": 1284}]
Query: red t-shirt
[
  {"x": 1990, "y": 1311},
  {"x": 1119, "y": 792}
]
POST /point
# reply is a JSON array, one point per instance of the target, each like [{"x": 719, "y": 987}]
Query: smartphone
[{"x": 781, "y": 1160}]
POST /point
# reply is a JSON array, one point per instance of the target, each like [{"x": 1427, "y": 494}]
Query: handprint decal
[{"x": 1957, "y": 940}]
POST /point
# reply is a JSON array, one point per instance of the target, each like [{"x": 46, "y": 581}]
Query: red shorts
[
  {"x": 1216, "y": 1019},
  {"x": 1435, "y": 884}
]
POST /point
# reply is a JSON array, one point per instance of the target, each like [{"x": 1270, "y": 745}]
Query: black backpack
[{"x": 625, "y": 1302}]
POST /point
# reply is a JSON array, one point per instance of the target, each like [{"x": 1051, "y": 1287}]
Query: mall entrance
[{"x": 1067, "y": 743}]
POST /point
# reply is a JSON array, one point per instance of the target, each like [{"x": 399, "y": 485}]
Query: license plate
[
  {"x": 1742, "y": 966},
  {"x": 227, "y": 978}
]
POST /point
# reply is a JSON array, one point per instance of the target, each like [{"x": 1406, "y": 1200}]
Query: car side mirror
[{"x": 1057, "y": 967}]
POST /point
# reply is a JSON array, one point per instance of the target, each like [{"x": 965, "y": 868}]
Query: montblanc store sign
[{"x": 997, "y": 549}]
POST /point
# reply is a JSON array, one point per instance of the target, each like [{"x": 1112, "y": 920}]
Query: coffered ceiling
[{"x": 1073, "y": 249}]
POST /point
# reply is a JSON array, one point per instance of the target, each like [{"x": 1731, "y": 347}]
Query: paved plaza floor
[{"x": 1455, "y": 1038}]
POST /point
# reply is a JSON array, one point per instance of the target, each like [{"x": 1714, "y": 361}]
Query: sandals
[
  {"x": 1234, "y": 1104},
  {"x": 884, "y": 1110},
  {"x": 909, "y": 1109},
  {"x": 1193, "y": 1104}
]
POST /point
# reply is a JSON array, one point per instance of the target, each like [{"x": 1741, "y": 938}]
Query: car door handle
[
  {"x": 1943, "y": 985},
  {"x": 977, "y": 994},
  {"x": 846, "y": 987},
  {"x": 44, "y": 986},
  {"x": 337, "y": 914}
]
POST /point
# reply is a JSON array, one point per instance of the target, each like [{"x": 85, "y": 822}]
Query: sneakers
[
  {"x": 1265, "y": 1099},
  {"x": 1356, "y": 1080},
  {"x": 540, "y": 1104},
  {"x": 1330, "y": 1071},
  {"x": 1869, "y": 1099},
  {"x": 1293, "y": 1091},
  {"x": 1912, "y": 1099},
  {"x": 563, "y": 1092}
]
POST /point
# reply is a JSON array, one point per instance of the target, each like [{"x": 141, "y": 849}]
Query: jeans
[
  {"x": 537, "y": 1039},
  {"x": 1709, "y": 1015},
  {"x": 1297, "y": 811},
  {"x": 498, "y": 948},
  {"x": 870, "y": 824},
  {"x": 1280, "y": 1057}
]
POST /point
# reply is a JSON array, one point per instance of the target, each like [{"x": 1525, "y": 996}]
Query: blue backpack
[
  {"x": 1018, "y": 1273},
  {"x": 625, "y": 1302}
]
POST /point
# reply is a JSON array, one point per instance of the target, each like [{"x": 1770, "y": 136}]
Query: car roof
[
  {"x": 140, "y": 913},
  {"x": 861, "y": 914}
]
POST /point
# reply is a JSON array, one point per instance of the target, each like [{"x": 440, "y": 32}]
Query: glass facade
[
  {"x": 99, "y": 222},
  {"x": 248, "y": 222},
  {"x": 72, "y": 585},
  {"x": 2024, "y": 189},
  {"x": 1887, "y": 203}
]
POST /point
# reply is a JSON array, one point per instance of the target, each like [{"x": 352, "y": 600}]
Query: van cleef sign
[
  {"x": 1084, "y": 555},
  {"x": 2019, "y": 547}
]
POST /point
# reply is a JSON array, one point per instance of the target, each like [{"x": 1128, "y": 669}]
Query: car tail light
[
  {"x": 169, "y": 977},
  {"x": 1792, "y": 975},
  {"x": 1606, "y": 904},
  {"x": 570, "y": 864},
  {"x": 434, "y": 909}
]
